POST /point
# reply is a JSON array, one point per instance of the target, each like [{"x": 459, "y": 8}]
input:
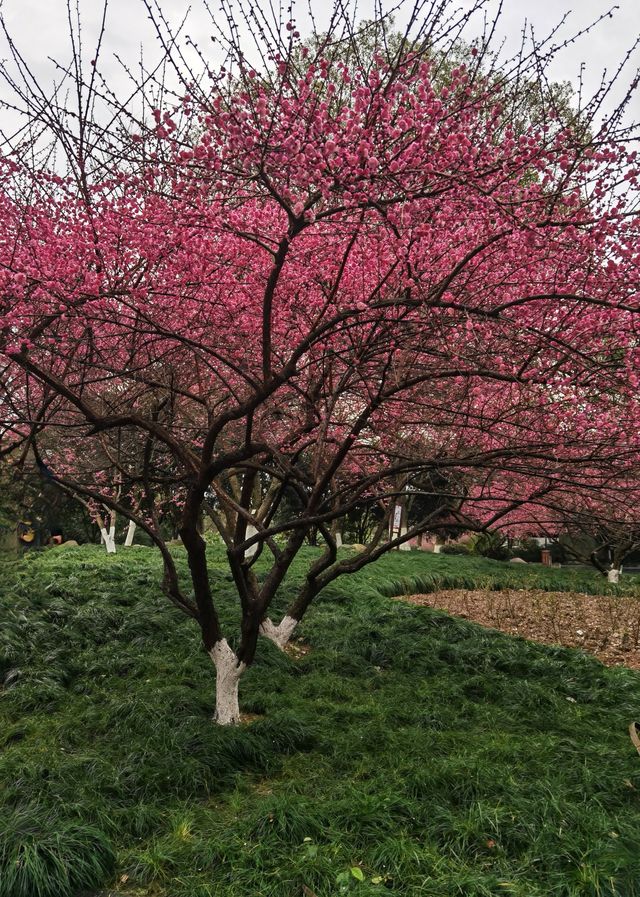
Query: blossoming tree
[
  {"x": 310, "y": 284},
  {"x": 598, "y": 524}
]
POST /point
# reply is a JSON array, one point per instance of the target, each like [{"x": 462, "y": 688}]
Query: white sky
[{"x": 39, "y": 28}]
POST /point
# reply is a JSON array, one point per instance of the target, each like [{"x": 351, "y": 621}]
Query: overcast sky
[{"x": 39, "y": 28}]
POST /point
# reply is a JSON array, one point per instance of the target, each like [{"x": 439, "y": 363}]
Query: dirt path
[{"x": 603, "y": 625}]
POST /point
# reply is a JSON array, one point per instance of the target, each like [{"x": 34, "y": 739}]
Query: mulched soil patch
[{"x": 603, "y": 625}]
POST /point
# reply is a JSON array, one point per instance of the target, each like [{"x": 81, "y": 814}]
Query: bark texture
[
  {"x": 128, "y": 542},
  {"x": 228, "y": 673},
  {"x": 109, "y": 539},
  {"x": 280, "y": 634}
]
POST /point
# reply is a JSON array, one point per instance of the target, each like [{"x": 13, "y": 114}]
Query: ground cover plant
[
  {"x": 404, "y": 753},
  {"x": 607, "y": 626}
]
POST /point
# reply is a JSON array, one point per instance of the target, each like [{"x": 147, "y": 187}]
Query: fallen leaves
[{"x": 604, "y": 625}]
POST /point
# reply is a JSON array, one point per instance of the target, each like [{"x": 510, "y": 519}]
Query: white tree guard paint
[
  {"x": 128, "y": 542},
  {"x": 281, "y": 633},
  {"x": 109, "y": 539},
  {"x": 613, "y": 575},
  {"x": 251, "y": 531},
  {"x": 338, "y": 539},
  {"x": 404, "y": 546},
  {"x": 228, "y": 672}
]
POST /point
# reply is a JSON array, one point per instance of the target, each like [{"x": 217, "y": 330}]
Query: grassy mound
[
  {"x": 430, "y": 573},
  {"x": 406, "y": 753}
]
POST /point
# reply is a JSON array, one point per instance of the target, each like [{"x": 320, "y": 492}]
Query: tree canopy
[{"x": 319, "y": 280}]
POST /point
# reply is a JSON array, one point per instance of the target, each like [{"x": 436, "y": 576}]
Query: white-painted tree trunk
[
  {"x": 338, "y": 537},
  {"x": 613, "y": 575},
  {"x": 437, "y": 547},
  {"x": 228, "y": 672},
  {"x": 404, "y": 546},
  {"x": 128, "y": 542},
  {"x": 109, "y": 539},
  {"x": 251, "y": 531},
  {"x": 280, "y": 634}
]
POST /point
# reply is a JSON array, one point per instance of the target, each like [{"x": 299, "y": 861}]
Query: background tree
[{"x": 602, "y": 529}]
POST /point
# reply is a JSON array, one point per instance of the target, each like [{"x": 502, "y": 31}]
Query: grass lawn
[{"x": 406, "y": 753}]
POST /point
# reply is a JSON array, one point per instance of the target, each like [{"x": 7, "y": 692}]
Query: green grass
[
  {"x": 408, "y": 753},
  {"x": 429, "y": 573}
]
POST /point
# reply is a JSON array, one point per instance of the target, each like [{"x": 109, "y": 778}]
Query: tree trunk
[
  {"x": 251, "y": 531},
  {"x": 404, "y": 546},
  {"x": 128, "y": 542},
  {"x": 228, "y": 672},
  {"x": 281, "y": 634},
  {"x": 109, "y": 539}
]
